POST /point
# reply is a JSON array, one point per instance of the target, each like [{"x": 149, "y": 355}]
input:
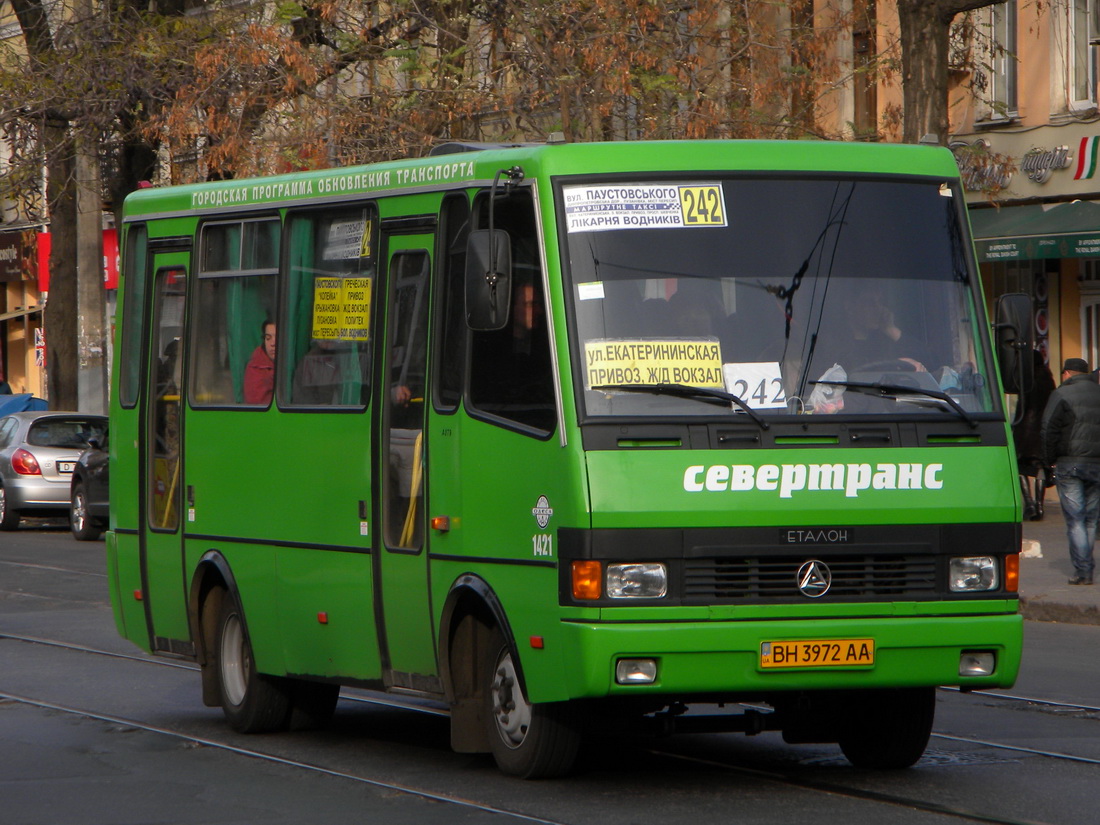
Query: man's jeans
[{"x": 1079, "y": 492}]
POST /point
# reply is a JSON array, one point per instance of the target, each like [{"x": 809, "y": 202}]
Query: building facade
[{"x": 1025, "y": 130}]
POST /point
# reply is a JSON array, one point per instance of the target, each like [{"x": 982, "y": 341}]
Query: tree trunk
[
  {"x": 924, "y": 42},
  {"x": 60, "y": 317}
]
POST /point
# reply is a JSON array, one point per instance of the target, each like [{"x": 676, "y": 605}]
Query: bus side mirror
[
  {"x": 1013, "y": 333},
  {"x": 488, "y": 279}
]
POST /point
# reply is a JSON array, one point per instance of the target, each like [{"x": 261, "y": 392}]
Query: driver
[{"x": 871, "y": 336}]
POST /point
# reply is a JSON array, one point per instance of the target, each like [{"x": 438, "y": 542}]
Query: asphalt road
[{"x": 93, "y": 731}]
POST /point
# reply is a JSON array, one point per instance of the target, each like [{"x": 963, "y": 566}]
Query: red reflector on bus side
[
  {"x": 322, "y": 617},
  {"x": 537, "y": 642}
]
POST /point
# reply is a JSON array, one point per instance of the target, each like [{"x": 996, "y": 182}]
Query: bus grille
[{"x": 853, "y": 577}]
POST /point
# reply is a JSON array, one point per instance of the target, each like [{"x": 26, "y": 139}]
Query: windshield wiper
[
  {"x": 892, "y": 391},
  {"x": 706, "y": 394}
]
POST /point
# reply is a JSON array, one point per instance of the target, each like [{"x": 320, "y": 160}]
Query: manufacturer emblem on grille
[{"x": 814, "y": 579}]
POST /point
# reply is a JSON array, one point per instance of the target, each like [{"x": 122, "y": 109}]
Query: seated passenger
[{"x": 259, "y": 373}]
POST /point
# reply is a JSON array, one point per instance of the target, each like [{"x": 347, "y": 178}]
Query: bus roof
[{"x": 465, "y": 168}]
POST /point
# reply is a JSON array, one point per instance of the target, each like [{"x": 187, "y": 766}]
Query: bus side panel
[
  {"x": 259, "y": 485},
  {"x": 124, "y": 577},
  {"x": 326, "y": 615},
  {"x": 253, "y": 571},
  {"x": 505, "y": 476}
]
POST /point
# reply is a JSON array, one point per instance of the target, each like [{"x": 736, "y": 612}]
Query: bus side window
[
  {"x": 510, "y": 369},
  {"x": 450, "y": 333},
  {"x": 235, "y": 296},
  {"x": 134, "y": 275},
  {"x": 331, "y": 263}
]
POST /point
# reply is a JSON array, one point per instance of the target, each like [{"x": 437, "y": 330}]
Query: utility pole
[{"x": 91, "y": 349}]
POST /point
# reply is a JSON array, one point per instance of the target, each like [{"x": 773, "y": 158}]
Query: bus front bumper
[{"x": 728, "y": 657}]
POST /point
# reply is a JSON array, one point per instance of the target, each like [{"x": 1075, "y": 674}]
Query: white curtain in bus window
[
  {"x": 331, "y": 267},
  {"x": 235, "y": 308}
]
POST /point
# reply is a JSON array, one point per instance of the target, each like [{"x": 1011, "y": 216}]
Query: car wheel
[
  {"x": 9, "y": 517},
  {"x": 527, "y": 740},
  {"x": 888, "y": 729},
  {"x": 82, "y": 525},
  {"x": 252, "y": 702}
]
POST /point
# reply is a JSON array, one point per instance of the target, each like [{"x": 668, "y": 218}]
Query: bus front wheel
[
  {"x": 531, "y": 741},
  {"x": 888, "y": 729},
  {"x": 252, "y": 702}
]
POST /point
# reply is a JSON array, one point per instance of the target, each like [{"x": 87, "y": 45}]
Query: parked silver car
[{"x": 38, "y": 451}]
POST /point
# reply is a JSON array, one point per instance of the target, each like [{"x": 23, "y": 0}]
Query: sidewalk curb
[{"x": 1037, "y": 610}]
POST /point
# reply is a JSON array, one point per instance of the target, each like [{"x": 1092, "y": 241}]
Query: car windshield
[
  {"x": 797, "y": 296},
  {"x": 72, "y": 433}
]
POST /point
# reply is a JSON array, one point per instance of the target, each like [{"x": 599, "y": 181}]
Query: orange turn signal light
[
  {"x": 1012, "y": 573},
  {"x": 587, "y": 580}
]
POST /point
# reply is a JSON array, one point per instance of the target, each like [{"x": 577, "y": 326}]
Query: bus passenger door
[
  {"x": 407, "y": 639},
  {"x": 163, "y": 588}
]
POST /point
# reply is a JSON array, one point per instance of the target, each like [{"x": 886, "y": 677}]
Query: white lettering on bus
[
  {"x": 238, "y": 193},
  {"x": 851, "y": 479}
]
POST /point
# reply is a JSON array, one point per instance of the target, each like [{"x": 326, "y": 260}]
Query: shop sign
[
  {"x": 1040, "y": 164},
  {"x": 1082, "y": 245},
  {"x": 17, "y": 255},
  {"x": 110, "y": 260},
  {"x": 982, "y": 170}
]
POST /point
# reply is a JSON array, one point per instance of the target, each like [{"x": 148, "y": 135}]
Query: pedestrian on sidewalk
[{"x": 1071, "y": 443}]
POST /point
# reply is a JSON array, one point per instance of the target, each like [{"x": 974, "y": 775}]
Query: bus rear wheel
[
  {"x": 889, "y": 729},
  {"x": 251, "y": 701},
  {"x": 531, "y": 741}
]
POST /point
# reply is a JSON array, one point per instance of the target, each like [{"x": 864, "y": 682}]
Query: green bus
[{"x": 573, "y": 437}]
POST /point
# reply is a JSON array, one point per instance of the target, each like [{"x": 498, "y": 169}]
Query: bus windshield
[{"x": 798, "y": 296}]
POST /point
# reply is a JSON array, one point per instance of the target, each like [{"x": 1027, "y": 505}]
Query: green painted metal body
[{"x": 287, "y": 501}]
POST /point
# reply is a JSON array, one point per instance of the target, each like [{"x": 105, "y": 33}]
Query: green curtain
[{"x": 300, "y": 303}]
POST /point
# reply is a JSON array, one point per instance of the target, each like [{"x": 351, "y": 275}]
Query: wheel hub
[{"x": 510, "y": 710}]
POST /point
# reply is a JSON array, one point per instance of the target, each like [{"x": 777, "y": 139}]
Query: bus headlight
[
  {"x": 637, "y": 581},
  {"x": 969, "y": 574}
]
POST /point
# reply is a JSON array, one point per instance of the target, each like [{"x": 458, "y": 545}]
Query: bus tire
[
  {"x": 888, "y": 729},
  {"x": 531, "y": 741},
  {"x": 252, "y": 702},
  {"x": 312, "y": 704}
]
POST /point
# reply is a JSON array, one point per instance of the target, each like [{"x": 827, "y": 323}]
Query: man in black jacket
[{"x": 1071, "y": 442}]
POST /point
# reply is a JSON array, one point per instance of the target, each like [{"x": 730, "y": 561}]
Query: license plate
[
  {"x": 65, "y": 466},
  {"x": 818, "y": 653}
]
